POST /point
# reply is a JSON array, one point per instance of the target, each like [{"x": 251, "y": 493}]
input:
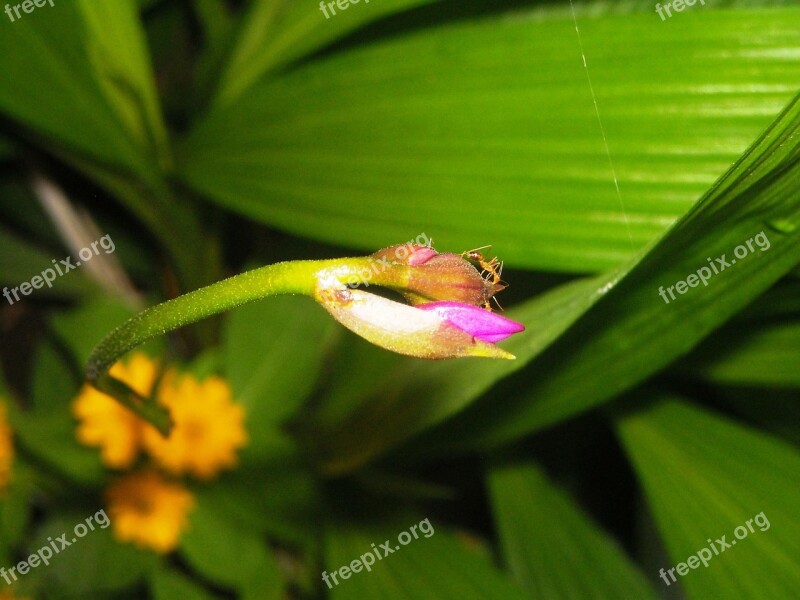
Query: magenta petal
[{"x": 483, "y": 324}]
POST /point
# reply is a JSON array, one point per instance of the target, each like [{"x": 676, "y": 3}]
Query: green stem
[{"x": 297, "y": 277}]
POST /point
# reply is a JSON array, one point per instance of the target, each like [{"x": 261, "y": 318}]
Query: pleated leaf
[
  {"x": 82, "y": 81},
  {"x": 229, "y": 555},
  {"x": 768, "y": 355},
  {"x": 705, "y": 477},
  {"x": 440, "y": 566},
  {"x": 485, "y": 131},
  {"x": 545, "y": 535},
  {"x": 276, "y": 32},
  {"x": 117, "y": 53}
]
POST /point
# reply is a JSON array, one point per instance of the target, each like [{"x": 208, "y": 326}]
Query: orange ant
[{"x": 492, "y": 270}]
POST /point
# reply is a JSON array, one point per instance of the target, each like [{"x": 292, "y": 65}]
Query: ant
[{"x": 492, "y": 269}]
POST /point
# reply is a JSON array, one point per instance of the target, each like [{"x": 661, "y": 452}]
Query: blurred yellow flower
[
  {"x": 6, "y": 450},
  {"x": 7, "y": 595},
  {"x": 208, "y": 427},
  {"x": 105, "y": 423},
  {"x": 149, "y": 511}
]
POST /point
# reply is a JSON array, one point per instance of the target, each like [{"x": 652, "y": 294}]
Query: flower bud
[{"x": 442, "y": 330}]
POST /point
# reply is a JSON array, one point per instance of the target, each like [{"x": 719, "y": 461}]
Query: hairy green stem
[{"x": 297, "y": 277}]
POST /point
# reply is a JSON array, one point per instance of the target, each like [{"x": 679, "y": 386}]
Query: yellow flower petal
[
  {"x": 106, "y": 424},
  {"x": 148, "y": 511},
  {"x": 7, "y": 595},
  {"x": 6, "y": 449},
  {"x": 208, "y": 428}
]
